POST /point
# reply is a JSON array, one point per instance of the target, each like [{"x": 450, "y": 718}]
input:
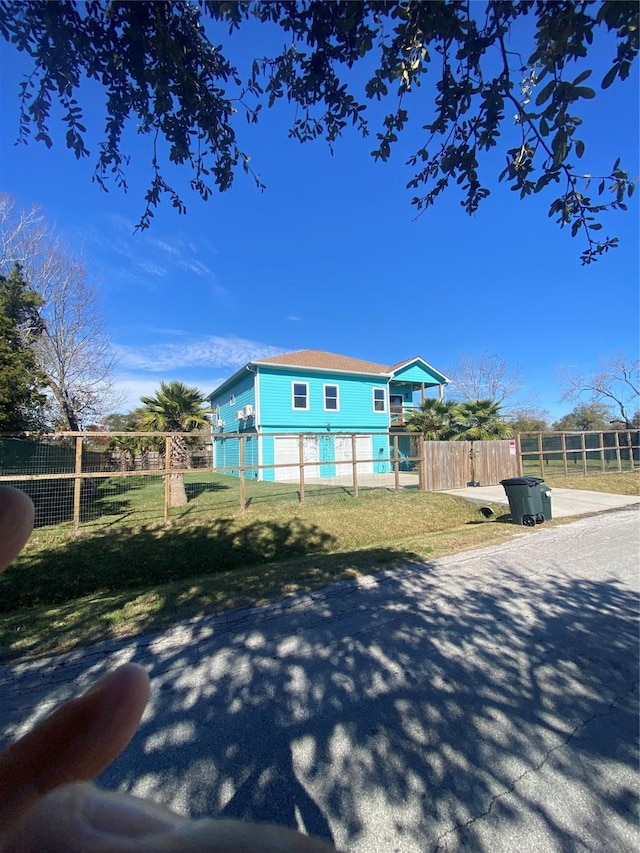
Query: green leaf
[
  {"x": 579, "y": 147},
  {"x": 544, "y": 94},
  {"x": 609, "y": 77},
  {"x": 585, "y": 92},
  {"x": 581, "y": 77},
  {"x": 544, "y": 127}
]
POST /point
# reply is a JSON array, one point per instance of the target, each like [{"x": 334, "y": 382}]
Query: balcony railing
[{"x": 400, "y": 414}]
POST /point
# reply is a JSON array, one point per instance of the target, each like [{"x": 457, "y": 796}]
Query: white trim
[
  {"x": 417, "y": 358},
  {"x": 256, "y": 397},
  {"x": 379, "y": 376},
  {"x": 385, "y": 402},
  {"x": 324, "y": 396},
  {"x": 293, "y": 396}
]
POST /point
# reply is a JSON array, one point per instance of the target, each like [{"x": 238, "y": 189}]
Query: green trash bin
[
  {"x": 545, "y": 497},
  {"x": 525, "y": 500}
]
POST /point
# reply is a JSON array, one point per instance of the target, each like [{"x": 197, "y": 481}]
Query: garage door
[
  {"x": 287, "y": 453},
  {"x": 344, "y": 456}
]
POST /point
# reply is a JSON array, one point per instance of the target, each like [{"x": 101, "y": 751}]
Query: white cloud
[
  {"x": 210, "y": 351},
  {"x": 130, "y": 387},
  {"x": 125, "y": 258}
]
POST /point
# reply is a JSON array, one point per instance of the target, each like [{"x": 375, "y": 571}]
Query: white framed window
[
  {"x": 232, "y": 400},
  {"x": 300, "y": 395},
  {"x": 379, "y": 399},
  {"x": 331, "y": 398}
]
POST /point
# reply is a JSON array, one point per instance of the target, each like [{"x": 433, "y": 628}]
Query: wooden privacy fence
[{"x": 457, "y": 464}]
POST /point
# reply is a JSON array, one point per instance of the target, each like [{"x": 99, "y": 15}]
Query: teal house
[{"x": 327, "y": 398}]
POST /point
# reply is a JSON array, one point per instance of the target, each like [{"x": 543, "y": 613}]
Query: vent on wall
[{"x": 248, "y": 411}]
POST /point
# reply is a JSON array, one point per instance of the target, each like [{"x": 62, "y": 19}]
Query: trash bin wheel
[
  {"x": 528, "y": 521},
  {"x": 539, "y": 518}
]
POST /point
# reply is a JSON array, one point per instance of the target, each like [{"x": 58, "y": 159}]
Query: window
[
  {"x": 232, "y": 400},
  {"x": 379, "y": 400},
  {"x": 300, "y": 395},
  {"x": 331, "y": 398}
]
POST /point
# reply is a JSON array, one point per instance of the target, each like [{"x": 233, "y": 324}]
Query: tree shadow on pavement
[{"x": 414, "y": 704}]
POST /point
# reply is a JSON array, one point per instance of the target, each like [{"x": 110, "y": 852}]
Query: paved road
[{"x": 486, "y": 702}]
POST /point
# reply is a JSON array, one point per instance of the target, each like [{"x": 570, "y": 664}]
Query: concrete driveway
[
  {"x": 564, "y": 502},
  {"x": 484, "y": 702}
]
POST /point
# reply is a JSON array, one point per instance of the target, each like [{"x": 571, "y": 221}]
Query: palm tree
[
  {"x": 481, "y": 420},
  {"x": 435, "y": 419},
  {"x": 176, "y": 408}
]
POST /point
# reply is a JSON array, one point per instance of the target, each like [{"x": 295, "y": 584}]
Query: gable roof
[{"x": 321, "y": 360}]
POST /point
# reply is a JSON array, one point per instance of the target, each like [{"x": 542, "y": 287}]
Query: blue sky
[{"x": 329, "y": 257}]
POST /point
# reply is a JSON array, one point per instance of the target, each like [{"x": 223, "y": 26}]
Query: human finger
[
  {"x": 16, "y": 523},
  {"x": 76, "y": 742},
  {"x": 79, "y": 817}
]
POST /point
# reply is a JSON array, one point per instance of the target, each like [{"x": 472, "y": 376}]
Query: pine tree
[{"x": 22, "y": 403}]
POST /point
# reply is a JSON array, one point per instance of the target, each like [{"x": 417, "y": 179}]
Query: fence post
[
  {"x": 563, "y": 445},
  {"x": 77, "y": 485},
  {"x": 243, "y": 494},
  {"x": 540, "y": 456},
  {"x": 167, "y": 477},
  {"x": 630, "y": 445},
  {"x": 602, "y": 462},
  {"x": 519, "y": 455},
  {"x": 354, "y": 464},
  {"x": 617, "y": 446},
  {"x": 584, "y": 454},
  {"x": 422, "y": 466}
]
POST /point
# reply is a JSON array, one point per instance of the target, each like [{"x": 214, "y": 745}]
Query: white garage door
[
  {"x": 286, "y": 452},
  {"x": 364, "y": 450}
]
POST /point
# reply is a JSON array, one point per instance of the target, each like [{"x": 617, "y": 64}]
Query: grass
[
  {"x": 64, "y": 593},
  {"x": 626, "y": 483}
]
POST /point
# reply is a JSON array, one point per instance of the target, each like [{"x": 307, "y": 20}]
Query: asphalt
[{"x": 486, "y": 702}]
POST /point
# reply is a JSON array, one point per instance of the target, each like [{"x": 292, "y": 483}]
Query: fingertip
[{"x": 17, "y": 514}]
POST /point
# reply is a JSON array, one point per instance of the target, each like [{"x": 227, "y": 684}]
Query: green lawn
[
  {"x": 138, "y": 500},
  {"x": 65, "y": 592}
]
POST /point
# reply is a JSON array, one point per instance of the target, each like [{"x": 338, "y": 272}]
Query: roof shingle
[{"x": 325, "y": 360}]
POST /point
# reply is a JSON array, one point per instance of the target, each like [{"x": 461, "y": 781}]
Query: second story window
[
  {"x": 331, "y": 398},
  {"x": 379, "y": 400},
  {"x": 300, "y": 395}
]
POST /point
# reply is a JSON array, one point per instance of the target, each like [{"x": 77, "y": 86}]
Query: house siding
[
  {"x": 355, "y": 394},
  {"x": 244, "y": 393},
  {"x": 416, "y": 373},
  {"x": 268, "y": 389}
]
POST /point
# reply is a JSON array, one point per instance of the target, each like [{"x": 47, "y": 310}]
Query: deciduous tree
[
  {"x": 529, "y": 420},
  {"x": 594, "y": 416},
  {"x": 616, "y": 385},
  {"x": 514, "y": 74},
  {"x": 73, "y": 350},
  {"x": 487, "y": 376}
]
